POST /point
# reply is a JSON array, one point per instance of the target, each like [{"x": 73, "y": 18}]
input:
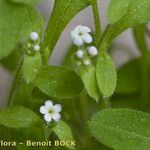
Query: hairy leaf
[
  {"x": 23, "y": 95},
  {"x": 122, "y": 129},
  {"x": 31, "y": 66},
  {"x": 137, "y": 12},
  {"x": 58, "y": 82},
  {"x": 10, "y": 62},
  {"x": 106, "y": 75},
  {"x": 18, "y": 117},
  {"x": 117, "y": 9},
  {"x": 88, "y": 76},
  {"x": 64, "y": 133},
  {"x": 17, "y": 21}
]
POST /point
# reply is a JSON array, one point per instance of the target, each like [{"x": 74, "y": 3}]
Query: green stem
[
  {"x": 106, "y": 103},
  {"x": 85, "y": 118},
  {"x": 48, "y": 131},
  {"x": 44, "y": 57},
  {"x": 96, "y": 19},
  {"x": 145, "y": 82},
  {"x": 139, "y": 33},
  {"x": 83, "y": 105},
  {"x": 15, "y": 83}
]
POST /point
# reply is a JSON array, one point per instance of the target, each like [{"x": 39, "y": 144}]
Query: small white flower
[
  {"x": 92, "y": 50},
  {"x": 36, "y": 47},
  {"x": 80, "y": 35},
  {"x": 79, "y": 54},
  {"x": 87, "y": 62},
  {"x": 50, "y": 111},
  {"x": 34, "y": 36}
]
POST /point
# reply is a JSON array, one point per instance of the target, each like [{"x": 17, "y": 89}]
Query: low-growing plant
[{"x": 84, "y": 99}]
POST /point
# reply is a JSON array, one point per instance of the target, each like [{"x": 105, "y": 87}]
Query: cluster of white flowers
[
  {"x": 51, "y": 112},
  {"x": 81, "y": 36},
  {"x": 33, "y": 44}
]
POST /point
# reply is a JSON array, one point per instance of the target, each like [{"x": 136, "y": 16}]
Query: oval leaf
[
  {"x": 106, "y": 75},
  {"x": 64, "y": 133},
  {"x": 18, "y": 117},
  {"x": 25, "y": 19},
  {"x": 58, "y": 82},
  {"x": 31, "y": 66},
  {"x": 122, "y": 129},
  {"x": 88, "y": 76}
]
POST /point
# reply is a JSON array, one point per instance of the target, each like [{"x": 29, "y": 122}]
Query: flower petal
[
  {"x": 48, "y": 117},
  {"x": 56, "y": 117},
  {"x": 57, "y": 108},
  {"x": 43, "y": 110},
  {"x": 73, "y": 34},
  {"x": 48, "y": 104},
  {"x": 78, "y": 41},
  {"x": 78, "y": 28},
  {"x": 87, "y": 38},
  {"x": 85, "y": 29}
]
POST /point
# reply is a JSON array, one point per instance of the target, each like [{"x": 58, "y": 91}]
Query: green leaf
[
  {"x": 67, "y": 62},
  {"x": 10, "y": 62},
  {"x": 63, "y": 12},
  {"x": 64, "y": 133},
  {"x": 18, "y": 117},
  {"x": 23, "y": 95},
  {"x": 31, "y": 66},
  {"x": 129, "y": 78},
  {"x": 122, "y": 129},
  {"x": 58, "y": 82},
  {"x": 26, "y": 1},
  {"x": 106, "y": 75},
  {"x": 137, "y": 13},
  {"x": 88, "y": 75},
  {"x": 117, "y": 9},
  {"x": 17, "y": 21}
]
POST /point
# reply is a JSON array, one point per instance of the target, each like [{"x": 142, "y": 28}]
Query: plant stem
[
  {"x": 145, "y": 82},
  {"x": 15, "y": 83},
  {"x": 139, "y": 34},
  {"x": 85, "y": 117},
  {"x": 106, "y": 103},
  {"x": 44, "y": 57},
  {"x": 96, "y": 19}
]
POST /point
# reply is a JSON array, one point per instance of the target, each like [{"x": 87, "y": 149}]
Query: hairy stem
[
  {"x": 96, "y": 19},
  {"x": 139, "y": 33},
  {"x": 15, "y": 83}
]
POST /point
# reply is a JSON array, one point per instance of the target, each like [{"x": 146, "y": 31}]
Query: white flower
[
  {"x": 34, "y": 36},
  {"x": 79, "y": 54},
  {"x": 92, "y": 50},
  {"x": 36, "y": 47},
  {"x": 50, "y": 111},
  {"x": 80, "y": 35},
  {"x": 87, "y": 62}
]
